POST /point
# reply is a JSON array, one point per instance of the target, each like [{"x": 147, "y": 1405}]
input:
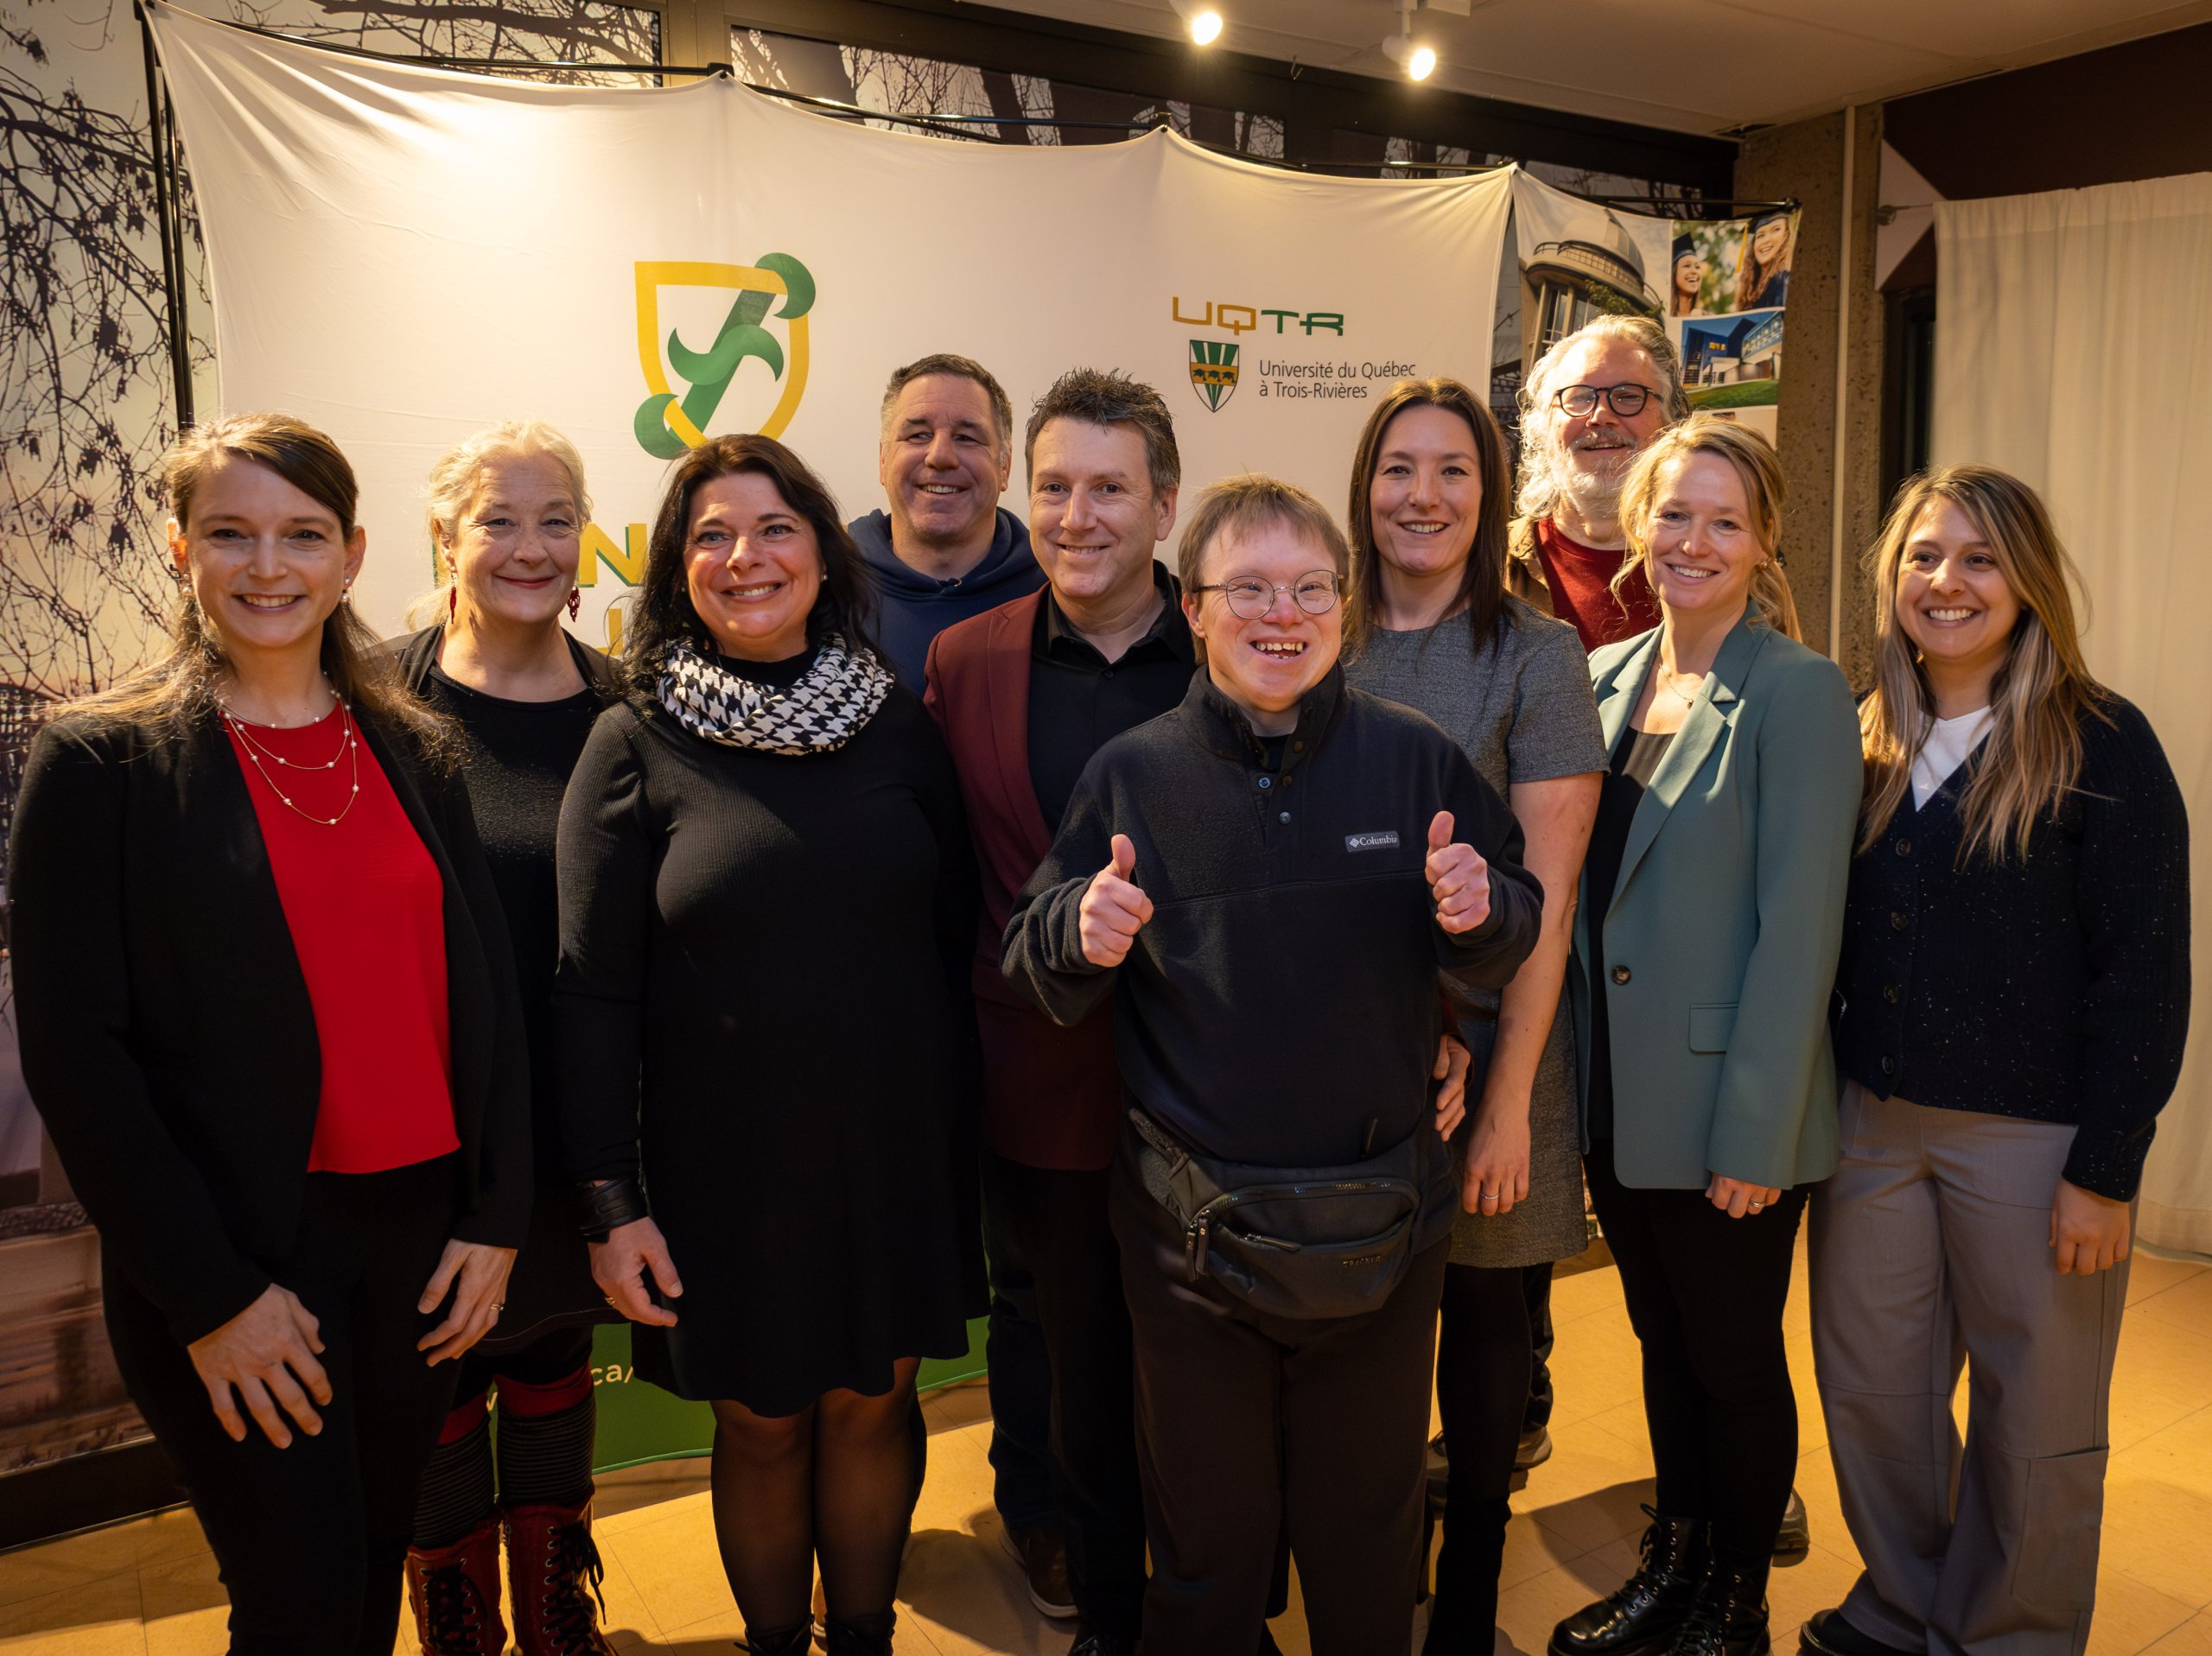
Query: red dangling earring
[
  {"x": 453, "y": 604},
  {"x": 575, "y": 602}
]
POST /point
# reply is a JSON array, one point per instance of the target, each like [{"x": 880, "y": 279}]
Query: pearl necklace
[{"x": 348, "y": 747}]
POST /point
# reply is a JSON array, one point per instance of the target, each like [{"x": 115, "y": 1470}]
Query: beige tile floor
[{"x": 148, "y": 1588}]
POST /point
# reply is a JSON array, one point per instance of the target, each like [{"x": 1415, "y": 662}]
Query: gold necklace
[
  {"x": 245, "y": 734},
  {"x": 350, "y": 745}
]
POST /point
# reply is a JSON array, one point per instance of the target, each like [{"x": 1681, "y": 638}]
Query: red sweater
[
  {"x": 366, "y": 908},
  {"x": 1578, "y": 576}
]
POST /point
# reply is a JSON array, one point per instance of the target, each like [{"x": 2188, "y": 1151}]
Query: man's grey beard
[
  {"x": 1549, "y": 475},
  {"x": 1593, "y": 493}
]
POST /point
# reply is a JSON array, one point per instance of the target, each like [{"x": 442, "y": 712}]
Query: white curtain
[{"x": 2074, "y": 349}]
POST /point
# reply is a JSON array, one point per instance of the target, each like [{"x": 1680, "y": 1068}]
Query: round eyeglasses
[
  {"x": 1626, "y": 399},
  {"x": 1314, "y": 591}
]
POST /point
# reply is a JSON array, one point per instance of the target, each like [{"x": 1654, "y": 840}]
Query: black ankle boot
[
  {"x": 779, "y": 1642},
  {"x": 862, "y": 1635},
  {"x": 1728, "y": 1618},
  {"x": 1646, "y": 1611}
]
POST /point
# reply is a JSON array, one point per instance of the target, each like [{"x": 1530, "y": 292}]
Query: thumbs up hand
[
  {"x": 1458, "y": 878},
  {"x": 1114, "y": 908}
]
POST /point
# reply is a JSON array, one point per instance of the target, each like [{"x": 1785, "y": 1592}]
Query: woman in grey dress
[{"x": 1429, "y": 624}]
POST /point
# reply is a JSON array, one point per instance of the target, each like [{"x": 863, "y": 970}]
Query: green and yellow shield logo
[
  {"x": 1213, "y": 371},
  {"x": 668, "y": 422}
]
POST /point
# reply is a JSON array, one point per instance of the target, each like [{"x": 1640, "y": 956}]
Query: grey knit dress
[{"x": 1521, "y": 708}]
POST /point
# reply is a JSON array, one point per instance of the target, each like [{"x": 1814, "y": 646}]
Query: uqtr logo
[
  {"x": 1214, "y": 367},
  {"x": 668, "y": 422}
]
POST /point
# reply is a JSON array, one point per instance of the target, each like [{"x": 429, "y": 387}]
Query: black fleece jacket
[{"x": 1281, "y": 1007}]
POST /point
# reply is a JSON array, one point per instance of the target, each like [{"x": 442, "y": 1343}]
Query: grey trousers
[{"x": 1929, "y": 1252}]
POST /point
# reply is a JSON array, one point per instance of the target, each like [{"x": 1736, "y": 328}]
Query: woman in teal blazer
[{"x": 1705, "y": 941}]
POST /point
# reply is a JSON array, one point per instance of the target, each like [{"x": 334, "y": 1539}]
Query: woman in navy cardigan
[{"x": 2014, "y": 997}]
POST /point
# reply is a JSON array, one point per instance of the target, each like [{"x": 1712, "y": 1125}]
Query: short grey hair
[
  {"x": 954, "y": 367},
  {"x": 1539, "y": 492}
]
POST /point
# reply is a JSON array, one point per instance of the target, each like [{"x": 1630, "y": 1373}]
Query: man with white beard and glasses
[{"x": 1590, "y": 405}]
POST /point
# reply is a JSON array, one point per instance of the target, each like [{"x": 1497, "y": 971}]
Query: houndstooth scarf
[{"x": 819, "y": 714}]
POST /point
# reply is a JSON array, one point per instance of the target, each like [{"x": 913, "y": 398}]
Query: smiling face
[
  {"x": 1703, "y": 538},
  {"x": 1595, "y": 450},
  {"x": 1953, "y": 599},
  {"x": 514, "y": 551},
  {"x": 1769, "y": 239},
  {"x": 1266, "y": 666},
  {"x": 1094, "y": 519},
  {"x": 267, "y": 562},
  {"x": 941, "y": 463},
  {"x": 1690, "y": 276},
  {"x": 753, "y": 567},
  {"x": 1426, "y": 499}
]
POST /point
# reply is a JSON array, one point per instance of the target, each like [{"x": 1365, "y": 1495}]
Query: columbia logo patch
[{"x": 1386, "y": 841}]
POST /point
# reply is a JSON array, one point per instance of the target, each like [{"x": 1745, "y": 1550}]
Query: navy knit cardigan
[{"x": 2054, "y": 988}]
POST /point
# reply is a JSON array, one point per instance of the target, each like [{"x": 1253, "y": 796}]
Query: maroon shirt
[{"x": 1580, "y": 577}]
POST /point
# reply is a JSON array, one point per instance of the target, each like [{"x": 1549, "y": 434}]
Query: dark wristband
[{"x": 605, "y": 1203}]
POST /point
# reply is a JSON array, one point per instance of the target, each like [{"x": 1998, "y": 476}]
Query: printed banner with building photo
[{"x": 1719, "y": 287}]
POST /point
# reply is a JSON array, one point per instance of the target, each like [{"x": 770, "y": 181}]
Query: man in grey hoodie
[{"x": 944, "y": 549}]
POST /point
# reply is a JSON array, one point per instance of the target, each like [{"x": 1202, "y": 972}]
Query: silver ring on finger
[{"x": 1755, "y": 1206}]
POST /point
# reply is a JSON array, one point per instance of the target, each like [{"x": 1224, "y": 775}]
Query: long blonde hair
[
  {"x": 2040, "y": 696},
  {"x": 182, "y": 688},
  {"x": 1753, "y": 460}
]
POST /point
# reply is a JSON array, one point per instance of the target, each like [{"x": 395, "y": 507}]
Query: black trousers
[
  {"x": 1705, "y": 1294},
  {"x": 1536, "y": 1291},
  {"x": 309, "y": 1539},
  {"x": 1018, "y": 1370},
  {"x": 1050, "y": 1228},
  {"x": 1483, "y": 1368},
  {"x": 1246, "y": 1420}
]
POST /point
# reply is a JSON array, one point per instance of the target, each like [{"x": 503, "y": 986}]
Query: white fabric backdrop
[
  {"x": 403, "y": 254},
  {"x": 2074, "y": 349}
]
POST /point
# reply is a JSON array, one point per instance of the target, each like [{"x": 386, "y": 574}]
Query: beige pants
[{"x": 1930, "y": 1252}]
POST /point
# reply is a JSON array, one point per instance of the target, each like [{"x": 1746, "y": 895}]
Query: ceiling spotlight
[
  {"x": 1202, "y": 22},
  {"x": 1418, "y": 61}
]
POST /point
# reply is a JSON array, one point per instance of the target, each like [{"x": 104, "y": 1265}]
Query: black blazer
[{"x": 167, "y": 1035}]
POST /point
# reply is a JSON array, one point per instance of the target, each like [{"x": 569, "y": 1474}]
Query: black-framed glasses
[
  {"x": 1626, "y": 399},
  {"x": 1314, "y": 591}
]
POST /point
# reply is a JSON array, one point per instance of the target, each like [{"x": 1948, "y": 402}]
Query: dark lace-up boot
[
  {"x": 782, "y": 1641},
  {"x": 1727, "y": 1618},
  {"x": 862, "y": 1635},
  {"x": 1646, "y": 1611},
  {"x": 455, "y": 1593},
  {"x": 553, "y": 1576}
]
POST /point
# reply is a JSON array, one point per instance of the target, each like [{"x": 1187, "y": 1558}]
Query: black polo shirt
[{"x": 1079, "y": 701}]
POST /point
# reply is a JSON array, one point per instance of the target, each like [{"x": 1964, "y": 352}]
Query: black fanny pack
[{"x": 1302, "y": 1241}]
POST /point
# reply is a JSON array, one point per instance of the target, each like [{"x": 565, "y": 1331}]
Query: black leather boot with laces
[
  {"x": 781, "y": 1642},
  {"x": 1727, "y": 1618},
  {"x": 1646, "y": 1611}
]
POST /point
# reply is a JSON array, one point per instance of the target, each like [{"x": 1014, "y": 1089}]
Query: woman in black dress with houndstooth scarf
[{"x": 767, "y": 1055}]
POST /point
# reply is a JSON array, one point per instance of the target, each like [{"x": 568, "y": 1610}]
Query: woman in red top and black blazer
[{"x": 267, "y": 1012}]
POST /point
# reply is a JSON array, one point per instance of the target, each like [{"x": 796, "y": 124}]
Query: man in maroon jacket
[{"x": 1026, "y": 695}]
